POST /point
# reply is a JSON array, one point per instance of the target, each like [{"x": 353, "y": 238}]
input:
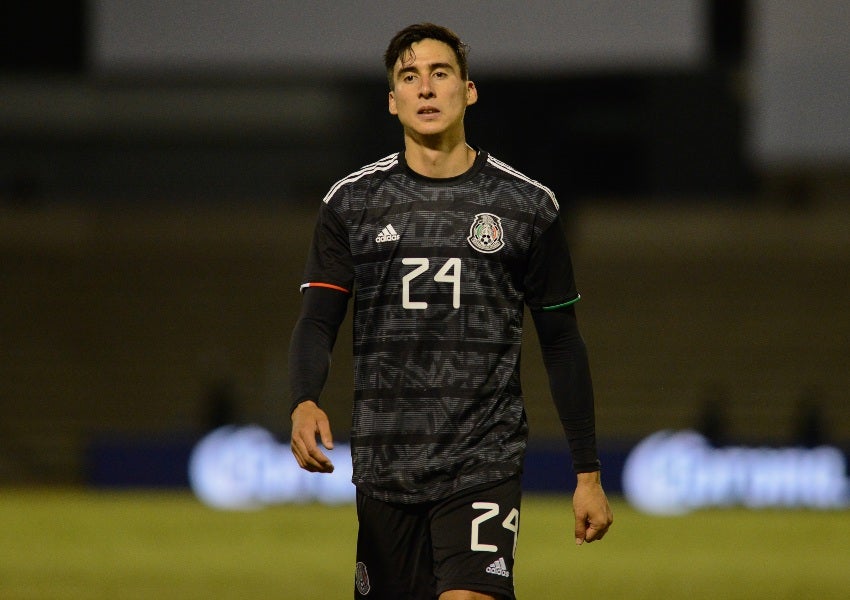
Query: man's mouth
[{"x": 428, "y": 110}]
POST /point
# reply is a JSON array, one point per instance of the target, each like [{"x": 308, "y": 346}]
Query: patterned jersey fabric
[{"x": 440, "y": 270}]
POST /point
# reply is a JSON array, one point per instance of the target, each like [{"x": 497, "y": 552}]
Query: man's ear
[
  {"x": 471, "y": 93},
  {"x": 391, "y": 103}
]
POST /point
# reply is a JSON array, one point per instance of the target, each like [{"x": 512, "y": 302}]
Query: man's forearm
[
  {"x": 568, "y": 369},
  {"x": 312, "y": 341}
]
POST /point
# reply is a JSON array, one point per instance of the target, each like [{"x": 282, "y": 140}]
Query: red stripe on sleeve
[{"x": 325, "y": 285}]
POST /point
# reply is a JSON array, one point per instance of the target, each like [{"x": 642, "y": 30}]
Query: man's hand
[
  {"x": 308, "y": 422},
  {"x": 591, "y": 509}
]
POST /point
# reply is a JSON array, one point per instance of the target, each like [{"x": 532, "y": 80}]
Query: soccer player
[{"x": 441, "y": 245}]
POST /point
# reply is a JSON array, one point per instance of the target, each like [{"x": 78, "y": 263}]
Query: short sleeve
[
  {"x": 549, "y": 281},
  {"x": 329, "y": 262}
]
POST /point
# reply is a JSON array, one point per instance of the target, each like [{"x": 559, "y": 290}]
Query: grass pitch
[{"x": 74, "y": 544}]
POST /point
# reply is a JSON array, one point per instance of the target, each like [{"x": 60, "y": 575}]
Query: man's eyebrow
[{"x": 431, "y": 67}]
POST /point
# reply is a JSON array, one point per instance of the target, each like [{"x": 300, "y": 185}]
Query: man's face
[{"x": 430, "y": 96}]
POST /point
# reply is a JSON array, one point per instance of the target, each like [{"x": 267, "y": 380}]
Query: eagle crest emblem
[
  {"x": 361, "y": 579},
  {"x": 486, "y": 233}
]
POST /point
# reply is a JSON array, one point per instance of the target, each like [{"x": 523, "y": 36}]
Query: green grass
[{"x": 73, "y": 544}]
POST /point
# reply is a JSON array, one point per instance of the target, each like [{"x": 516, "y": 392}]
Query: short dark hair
[{"x": 401, "y": 44}]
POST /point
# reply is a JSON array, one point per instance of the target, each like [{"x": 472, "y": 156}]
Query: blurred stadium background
[{"x": 161, "y": 164}]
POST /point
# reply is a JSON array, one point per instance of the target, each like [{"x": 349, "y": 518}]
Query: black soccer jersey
[{"x": 440, "y": 270}]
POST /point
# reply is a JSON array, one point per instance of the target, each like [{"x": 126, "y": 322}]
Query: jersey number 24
[{"x": 448, "y": 273}]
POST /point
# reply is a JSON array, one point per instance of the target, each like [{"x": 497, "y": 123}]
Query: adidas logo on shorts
[
  {"x": 499, "y": 568},
  {"x": 388, "y": 234}
]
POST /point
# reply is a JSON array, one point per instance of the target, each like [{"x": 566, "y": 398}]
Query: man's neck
[{"x": 439, "y": 162}]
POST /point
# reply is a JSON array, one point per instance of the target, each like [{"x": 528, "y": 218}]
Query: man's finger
[
  {"x": 595, "y": 532},
  {"x": 308, "y": 455},
  {"x": 580, "y": 530},
  {"x": 325, "y": 434},
  {"x": 322, "y": 463}
]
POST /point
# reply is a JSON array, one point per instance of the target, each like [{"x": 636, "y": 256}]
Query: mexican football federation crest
[
  {"x": 486, "y": 233},
  {"x": 361, "y": 579}
]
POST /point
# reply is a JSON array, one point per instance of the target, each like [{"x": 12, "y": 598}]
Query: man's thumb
[
  {"x": 580, "y": 530},
  {"x": 327, "y": 438}
]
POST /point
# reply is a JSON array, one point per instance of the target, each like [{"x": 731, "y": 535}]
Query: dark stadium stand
[{"x": 123, "y": 322}]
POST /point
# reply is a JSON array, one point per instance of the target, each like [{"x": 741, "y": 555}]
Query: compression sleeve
[
  {"x": 322, "y": 312},
  {"x": 568, "y": 368}
]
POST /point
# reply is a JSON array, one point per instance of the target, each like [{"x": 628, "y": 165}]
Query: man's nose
[{"x": 425, "y": 90}]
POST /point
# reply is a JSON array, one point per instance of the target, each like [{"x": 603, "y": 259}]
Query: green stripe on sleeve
[{"x": 563, "y": 304}]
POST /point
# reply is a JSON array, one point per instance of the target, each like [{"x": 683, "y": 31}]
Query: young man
[{"x": 441, "y": 245}]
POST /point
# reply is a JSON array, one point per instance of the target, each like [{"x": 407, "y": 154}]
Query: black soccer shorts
[{"x": 417, "y": 551}]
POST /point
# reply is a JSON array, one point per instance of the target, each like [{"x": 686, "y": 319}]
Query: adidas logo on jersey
[
  {"x": 388, "y": 234},
  {"x": 499, "y": 568}
]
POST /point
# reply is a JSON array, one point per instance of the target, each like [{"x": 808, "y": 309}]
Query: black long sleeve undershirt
[
  {"x": 322, "y": 312},
  {"x": 564, "y": 356},
  {"x": 568, "y": 368}
]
